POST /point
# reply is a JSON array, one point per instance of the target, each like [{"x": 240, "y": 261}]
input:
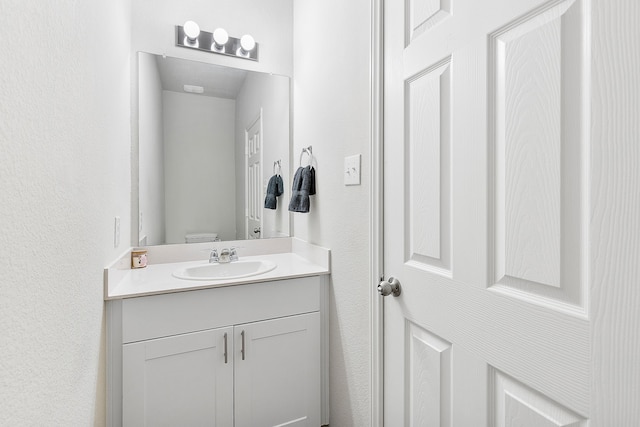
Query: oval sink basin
[{"x": 231, "y": 270}]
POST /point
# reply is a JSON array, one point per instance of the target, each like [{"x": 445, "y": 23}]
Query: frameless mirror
[{"x": 209, "y": 139}]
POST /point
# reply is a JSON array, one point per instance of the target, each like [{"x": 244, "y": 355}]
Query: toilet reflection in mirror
[{"x": 204, "y": 158}]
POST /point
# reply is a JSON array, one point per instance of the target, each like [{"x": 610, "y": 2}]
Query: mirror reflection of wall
[{"x": 192, "y": 149}]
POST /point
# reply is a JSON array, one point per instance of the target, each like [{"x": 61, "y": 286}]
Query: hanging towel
[
  {"x": 304, "y": 185},
  {"x": 275, "y": 188}
]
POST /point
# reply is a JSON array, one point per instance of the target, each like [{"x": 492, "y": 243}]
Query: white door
[
  {"x": 278, "y": 372},
  {"x": 509, "y": 223},
  {"x": 182, "y": 380},
  {"x": 253, "y": 191}
]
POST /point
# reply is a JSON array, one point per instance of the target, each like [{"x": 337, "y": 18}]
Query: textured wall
[
  {"x": 64, "y": 175},
  {"x": 332, "y": 113}
]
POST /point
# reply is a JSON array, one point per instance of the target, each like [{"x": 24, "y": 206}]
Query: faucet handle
[
  {"x": 233, "y": 254},
  {"x": 214, "y": 256}
]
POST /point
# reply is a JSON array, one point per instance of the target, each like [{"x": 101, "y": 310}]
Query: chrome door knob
[{"x": 388, "y": 287}]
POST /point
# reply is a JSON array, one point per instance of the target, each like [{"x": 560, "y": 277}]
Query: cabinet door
[
  {"x": 278, "y": 372},
  {"x": 183, "y": 380}
]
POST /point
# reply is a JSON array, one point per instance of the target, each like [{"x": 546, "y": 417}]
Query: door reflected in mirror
[{"x": 209, "y": 139}]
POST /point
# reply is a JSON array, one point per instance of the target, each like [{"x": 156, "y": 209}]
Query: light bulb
[
  {"x": 220, "y": 39},
  {"x": 247, "y": 44},
  {"x": 191, "y": 31}
]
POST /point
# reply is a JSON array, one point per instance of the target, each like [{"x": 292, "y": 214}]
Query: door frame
[{"x": 376, "y": 233}]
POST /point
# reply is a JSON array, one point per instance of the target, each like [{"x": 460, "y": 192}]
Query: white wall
[
  {"x": 64, "y": 176},
  {"x": 151, "y": 140},
  {"x": 199, "y": 156},
  {"x": 332, "y": 108},
  {"x": 271, "y": 94}
]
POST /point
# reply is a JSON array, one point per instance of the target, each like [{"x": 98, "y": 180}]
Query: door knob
[
  {"x": 256, "y": 230},
  {"x": 392, "y": 286}
]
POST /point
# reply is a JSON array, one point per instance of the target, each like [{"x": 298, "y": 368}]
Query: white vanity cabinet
[{"x": 236, "y": 356}]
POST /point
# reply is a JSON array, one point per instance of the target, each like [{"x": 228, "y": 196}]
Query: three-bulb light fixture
[{"x": 190, "y": 36}]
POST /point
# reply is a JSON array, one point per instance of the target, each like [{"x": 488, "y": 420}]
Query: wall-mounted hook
[{"x": 309, "y": 151}]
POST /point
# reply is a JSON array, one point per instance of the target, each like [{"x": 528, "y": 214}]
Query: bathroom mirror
[{"x": 209, "y": 139}]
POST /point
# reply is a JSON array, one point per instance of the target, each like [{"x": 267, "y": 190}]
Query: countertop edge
[
  {"x": 120, "y": 279},
  {"x": 209, "y": 285}
]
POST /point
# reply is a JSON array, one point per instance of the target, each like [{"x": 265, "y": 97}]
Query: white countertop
[{"x": 302, "y": 261}]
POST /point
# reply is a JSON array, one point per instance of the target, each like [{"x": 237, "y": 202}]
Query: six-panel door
[{"x": 487, "y": 212}]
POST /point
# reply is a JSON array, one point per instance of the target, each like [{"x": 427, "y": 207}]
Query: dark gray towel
[
  {"x": 304, "y": 185},
  {"x": 275, "y": 188}
]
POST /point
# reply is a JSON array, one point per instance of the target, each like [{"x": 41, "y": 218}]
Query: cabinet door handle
[
  {"x": 225, "y": 348},
  {"x": 242, "y": 351}
]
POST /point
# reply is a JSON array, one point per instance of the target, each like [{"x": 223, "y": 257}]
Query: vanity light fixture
[{"x": 219, "y": 41}]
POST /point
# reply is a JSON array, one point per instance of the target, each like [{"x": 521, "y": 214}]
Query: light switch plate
[{"x": 352, "y": 170}]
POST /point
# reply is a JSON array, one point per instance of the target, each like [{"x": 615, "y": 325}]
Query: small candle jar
[{"x": 138, "y": 258}]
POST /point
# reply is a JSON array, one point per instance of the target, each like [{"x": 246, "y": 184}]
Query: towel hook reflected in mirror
[{"x": 277, "y": 167}]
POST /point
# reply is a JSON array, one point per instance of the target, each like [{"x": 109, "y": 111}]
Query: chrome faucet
[{"x": 226, "y": 255}]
